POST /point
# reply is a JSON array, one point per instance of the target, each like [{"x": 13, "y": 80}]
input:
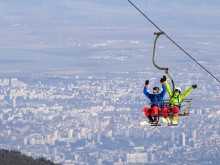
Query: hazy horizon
[{"x": 41, "y": 36}]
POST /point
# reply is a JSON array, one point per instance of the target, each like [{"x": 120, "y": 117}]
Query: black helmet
[{"x": 156, "y": 89}]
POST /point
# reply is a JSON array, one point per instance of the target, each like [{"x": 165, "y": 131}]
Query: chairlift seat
[{"x": 184, "y": 107}]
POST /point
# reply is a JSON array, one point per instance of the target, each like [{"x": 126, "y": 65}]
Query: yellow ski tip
[{"x": 142, "y": 123}]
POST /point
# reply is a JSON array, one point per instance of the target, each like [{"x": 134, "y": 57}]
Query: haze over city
[{"x": 72, "y": 75}]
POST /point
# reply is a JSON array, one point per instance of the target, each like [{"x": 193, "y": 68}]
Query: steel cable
[{"x": 174, "y": 42}]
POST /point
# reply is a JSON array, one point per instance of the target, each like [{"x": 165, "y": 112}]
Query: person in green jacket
[{"x": 175, "y": 99}]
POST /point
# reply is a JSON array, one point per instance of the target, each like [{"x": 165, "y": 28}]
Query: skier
[
  {"x": 175, "y": 100},
  {"x": 156, "y": 98}
]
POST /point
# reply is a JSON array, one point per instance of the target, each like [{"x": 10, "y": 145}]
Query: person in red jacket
[{"x": 156, "y": 98}]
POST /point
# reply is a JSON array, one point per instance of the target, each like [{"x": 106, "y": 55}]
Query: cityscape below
[{"x": 72, "y": 75}]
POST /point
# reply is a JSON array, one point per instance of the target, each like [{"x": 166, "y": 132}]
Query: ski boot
[
  {"x": 155, "y": 120},
  {"x": 175, "y": 120},
  {"x": 150, "y": 119},
  {"x": 167, "y": 120}
]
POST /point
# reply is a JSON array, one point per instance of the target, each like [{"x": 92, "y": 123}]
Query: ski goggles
[
  {"x": 177, "y": 91},
  {"x": 155, "y": 91}
]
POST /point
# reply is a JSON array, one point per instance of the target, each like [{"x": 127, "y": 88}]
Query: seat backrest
[{"x": 184, "y": 107}]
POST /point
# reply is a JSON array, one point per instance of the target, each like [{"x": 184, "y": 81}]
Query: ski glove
[
  {"x": 194, "y": 86},
  {"x": 164, "y": 78},
  {"x": 146, "y": 82}
]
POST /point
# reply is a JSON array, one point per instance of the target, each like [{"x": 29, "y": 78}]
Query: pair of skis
[{"x": 145, "y": 123}]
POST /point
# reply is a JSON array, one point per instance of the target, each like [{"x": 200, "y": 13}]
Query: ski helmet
[{"x": 178, "y": 90}]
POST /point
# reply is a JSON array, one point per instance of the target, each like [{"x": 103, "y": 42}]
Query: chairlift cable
[{"x": 174, "y": 42}]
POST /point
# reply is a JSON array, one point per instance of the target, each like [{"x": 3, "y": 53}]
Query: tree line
[{"x": 17, "y": 158}]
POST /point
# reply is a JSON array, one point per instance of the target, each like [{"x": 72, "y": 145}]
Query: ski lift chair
[{"x": 184, "y": 107}]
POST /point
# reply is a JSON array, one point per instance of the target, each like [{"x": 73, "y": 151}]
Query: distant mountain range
[{"x": 17, "y": 158}]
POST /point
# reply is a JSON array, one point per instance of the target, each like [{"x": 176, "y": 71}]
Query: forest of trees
[{"x": 17, "y": 158}]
